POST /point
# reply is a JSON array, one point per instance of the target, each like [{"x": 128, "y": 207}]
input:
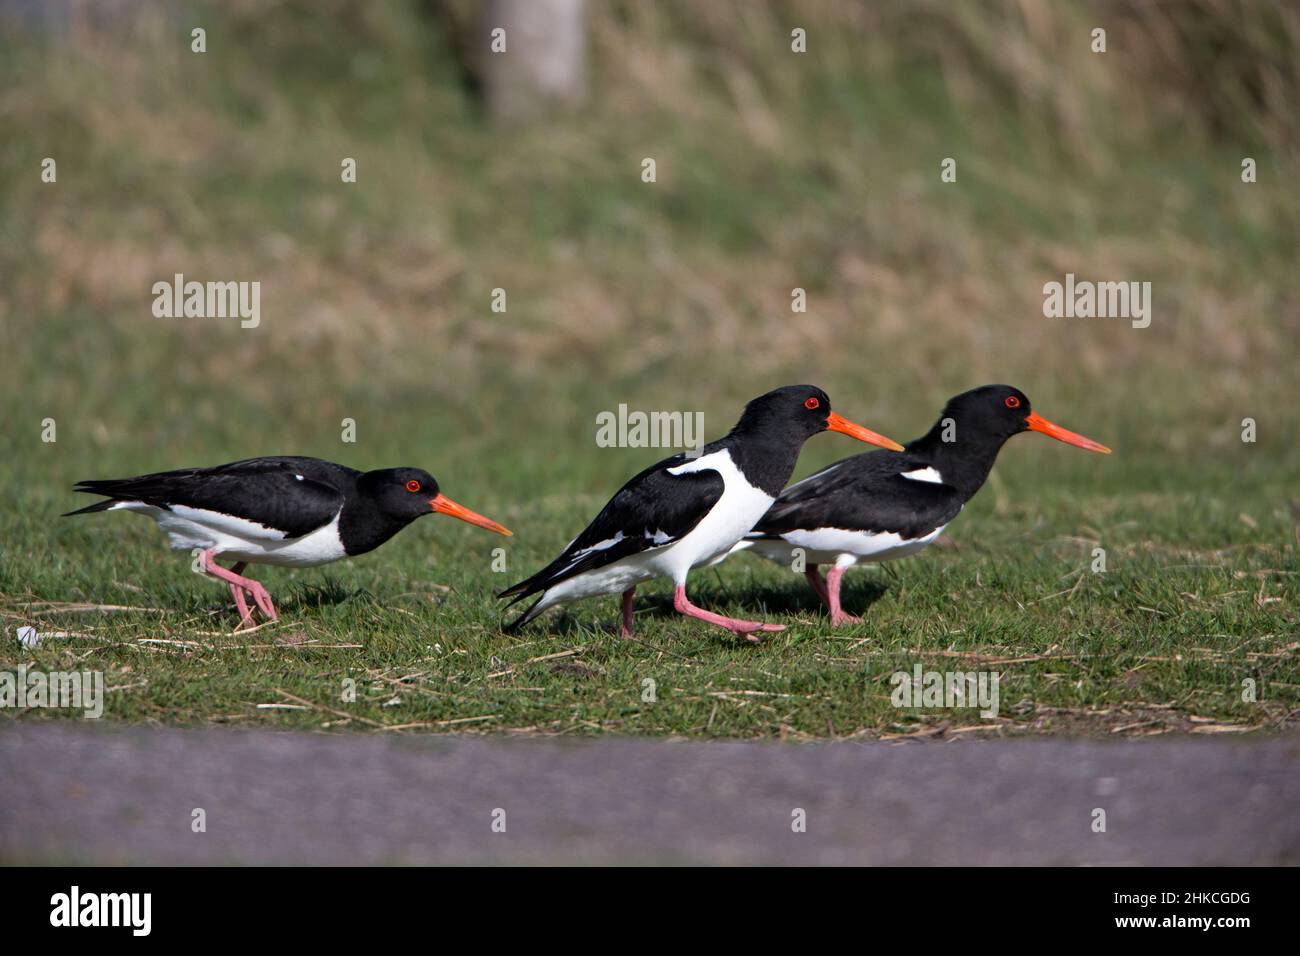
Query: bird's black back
[
  {"x": 267, "y": 491},
  {"x": 865, "y": 493}
]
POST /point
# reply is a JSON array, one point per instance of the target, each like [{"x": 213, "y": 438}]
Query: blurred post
[{"x": 544, "y": 60}]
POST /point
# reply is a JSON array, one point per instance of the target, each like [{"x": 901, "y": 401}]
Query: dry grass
[{"x": 840, "y": 198}]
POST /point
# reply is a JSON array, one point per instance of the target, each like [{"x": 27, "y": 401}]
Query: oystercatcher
[
  {"x": 883, "y": 505},
  {"x": 290, "y": 511},
  {"x": 688, "y": 511}
]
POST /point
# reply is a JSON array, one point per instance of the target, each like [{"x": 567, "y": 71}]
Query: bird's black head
[
  {"x": 990, "y": 414},
  {"x": 405, "y": 494},
  {"x": 400, "y": 492},
  {"x": 794, "y": 413}
]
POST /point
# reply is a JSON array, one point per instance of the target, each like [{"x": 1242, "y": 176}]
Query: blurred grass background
[{"x": 775, "y": 171}]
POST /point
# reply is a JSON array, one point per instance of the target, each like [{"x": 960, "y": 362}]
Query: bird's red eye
[
  {"x": 811, "y": 403},
  {"x": 412, "y": 485},
  {"x": 1013, "y": 402}
]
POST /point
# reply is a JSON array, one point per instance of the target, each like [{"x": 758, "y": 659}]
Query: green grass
[
  {"x": 775, "y": 172},
  {"x": 1194, "y": 601}
]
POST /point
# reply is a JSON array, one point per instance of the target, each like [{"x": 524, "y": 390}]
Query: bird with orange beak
[
  {"x": 886, "y": 504},
  {"x": 689, "y": 510},
  {"x": 289, "y": 511}
]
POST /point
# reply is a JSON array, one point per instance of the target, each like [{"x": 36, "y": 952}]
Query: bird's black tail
[
  {"x": 97, "y": 506},
  {"x": 517, "y": 591},
  {"x": 529, "y": 586},
  {"x": 526, "y": 588},
  {"x": 524, "y": 618},
  {"x": 111, "y": 489}
]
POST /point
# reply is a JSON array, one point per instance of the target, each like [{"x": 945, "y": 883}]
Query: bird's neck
[
  {"x": 363, "y": 527},
  {"x": 766, "y": 463},
  {"x": 962, "y": 465}
]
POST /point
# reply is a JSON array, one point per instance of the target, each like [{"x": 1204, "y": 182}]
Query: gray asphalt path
[{"x": 77, "y": 793}]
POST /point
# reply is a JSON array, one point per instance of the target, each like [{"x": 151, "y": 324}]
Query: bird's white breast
[{"x": 731, "y": 518}]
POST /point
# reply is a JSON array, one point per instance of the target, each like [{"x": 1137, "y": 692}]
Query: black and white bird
[
  {"x": 688, "y": 511},
  {"x": 289, "y": 511},
  {"x": 884, "y": 505}
]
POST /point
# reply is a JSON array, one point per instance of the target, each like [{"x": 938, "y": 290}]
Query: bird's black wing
[
  {"x": 294, "y": 496},
  {"x": 865, "y": 493},
  {"x": 653, "y": 510}
]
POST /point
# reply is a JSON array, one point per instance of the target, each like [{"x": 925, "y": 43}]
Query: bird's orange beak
[
  {"x": 845, "y": 427},
  {"x": 1037, "y": 423},
  {"x": 445, "y": 506}
]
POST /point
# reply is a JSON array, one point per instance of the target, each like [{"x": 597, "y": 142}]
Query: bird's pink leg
[
  {"x": 626, "y": 630},
  {"x": 735, "y": 625},
  {"x": 838, "y": 616},
  {"x": 816, "y": 582},
  {"x": 260, "y": 595},
  {"x": 245, "y": 615}
]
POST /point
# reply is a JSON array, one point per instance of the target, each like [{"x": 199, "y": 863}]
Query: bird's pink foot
[
  {"x": 263, "y": 598},
  {"x": 237, "y": 592},
  {"x": 239, "y": 584},
  {"x": 245, "y": 615},
  {"x": 838, "y": 614},
  {"x": 736, "y": 625}
]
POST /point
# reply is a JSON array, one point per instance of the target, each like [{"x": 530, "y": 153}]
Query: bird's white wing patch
[
  {"x": 601, "y": 545},
  {"x": 924, "y": 474},
  {"x": 598, "y": 546}
]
